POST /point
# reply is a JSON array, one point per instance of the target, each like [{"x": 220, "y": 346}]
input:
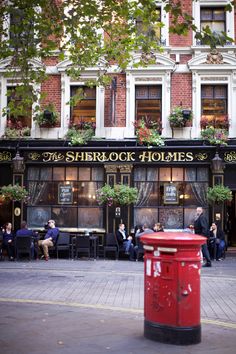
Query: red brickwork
[
  {"x": 52, "y": 88},
  {"x": 182, "y": 41},
  {"x": 181, "y": 90},
  {"x": 120, "y": 105},
  {"x": 51, "y": 61}
]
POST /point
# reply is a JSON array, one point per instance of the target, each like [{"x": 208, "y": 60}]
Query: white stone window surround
[
  {"x": 214, "y": 4},
  {"x": 66, "y": 83},
  {"x": 156, "y": 74},
  {"x": 10, "y": 82},
  {"x": 213, "y": 74}
]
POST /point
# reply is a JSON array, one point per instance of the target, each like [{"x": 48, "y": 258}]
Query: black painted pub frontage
[{"x": 171, "y": 180}]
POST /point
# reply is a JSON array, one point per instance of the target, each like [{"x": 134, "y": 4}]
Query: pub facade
[{"x": 172, "y": 180}]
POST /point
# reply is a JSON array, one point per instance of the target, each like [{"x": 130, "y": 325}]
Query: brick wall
[
  {"x": 52, "y": 88},
  {"x": 181, "y": 90},
  {"x": 182, "y": 41},
  {"x": 120, "y": 105}
]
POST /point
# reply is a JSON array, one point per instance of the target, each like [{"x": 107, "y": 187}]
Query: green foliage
[
  {"x": 50, "y": 119},
  {"x": 79, "y": 136},
  {"x": 219, "y": 194},
  {"x": 14, "y": 193},
  {"x": 14, "y": 133},
  {"x": 120, "y": 194},
  {"x": 215, "y": 136},
  {"x": 74, "y": 30},
  {"x": 177, "y": 118}
]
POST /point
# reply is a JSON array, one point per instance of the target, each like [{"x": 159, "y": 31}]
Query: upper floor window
[
  {"x": 214, "y": 18},
  {"x": 148, "y": 105},
  {"x": 19, "y": 111},
  {"x": 21, "y": 31},
  {"x": 214, "y": 100},
  {"x": 84, "y": 108},
  {"x": 151, "y": 31}
]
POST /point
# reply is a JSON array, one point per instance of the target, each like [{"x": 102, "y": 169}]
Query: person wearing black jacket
[
  {"x": 125, "y": 241},
  {"x": 216, "y": 240},
  {"x": 201, "y": 227}
]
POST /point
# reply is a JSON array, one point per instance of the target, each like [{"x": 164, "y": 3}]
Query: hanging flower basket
[
  {"x": 148, "y": 136},
  {"x": 14, "y": 193},
  {"x": 219, "y": 194},
  {"x": 119, "y": 194},
  {"x": 180, "y": 118}
]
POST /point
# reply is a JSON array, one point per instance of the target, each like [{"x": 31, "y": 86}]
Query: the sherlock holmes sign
[{"x": 114, "y": 156}]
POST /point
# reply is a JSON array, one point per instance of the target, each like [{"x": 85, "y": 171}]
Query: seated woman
[
  {"x": 8, "y": 241},
  {"x": 216, "y": 242},
  {"x": 158, "y": 227}
]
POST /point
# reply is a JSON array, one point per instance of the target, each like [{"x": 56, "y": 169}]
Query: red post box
[{"x": 172, "y": 287}]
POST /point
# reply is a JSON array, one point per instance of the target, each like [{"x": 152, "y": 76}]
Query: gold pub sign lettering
[{"x": 124, "y": 156}]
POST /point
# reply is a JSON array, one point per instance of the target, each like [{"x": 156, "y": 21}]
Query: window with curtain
[
  {"x": 148, "y": 105},
  {"x": 84, "y": 108},
  {"x": 191, "y": 184},
  {"x": 44, "y": 185}
]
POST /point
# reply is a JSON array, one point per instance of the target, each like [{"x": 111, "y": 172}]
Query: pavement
[{"x": 96, "y": 306}]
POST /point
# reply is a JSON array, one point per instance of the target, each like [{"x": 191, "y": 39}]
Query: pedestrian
[
  {"x": 216, "y": 241},
  {"x": 125, "y": 241},
  {"x": 8, "y": 241},
  {"x": 139, "y": 246},
  {"x": 201, "y": 227},
  {"x": 24, "y": 231},
  {"x": 50, "y": 239}
]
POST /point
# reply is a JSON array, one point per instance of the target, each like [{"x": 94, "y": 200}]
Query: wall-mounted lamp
[
  {"x": 18, "y": 165},
  {"x": 217, "y": 164}
]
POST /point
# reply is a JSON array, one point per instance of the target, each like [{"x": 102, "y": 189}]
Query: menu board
[
  {"x": 171, "y": 193},
  {"x": 65, "y": 194}
]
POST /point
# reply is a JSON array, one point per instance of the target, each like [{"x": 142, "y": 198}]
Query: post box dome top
[{"x": 172, "y": 238}]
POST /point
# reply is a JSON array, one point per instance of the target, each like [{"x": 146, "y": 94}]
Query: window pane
[
  {"x": 65, "y": 216},
  {"x": 165, "y": 174},
  {"x": 189, "y": 216},
  {"x": 147, "y": 216},
  {"x": 87, "y": 193},
  {"x": 71, "y": 173},
  {"x": 171, "y": 218},
  {"x": 140, "y": 174},
  {"x": 202, "y": 174},
  {"x": 84, "y": 174},
  {"x": 38, "y": 217},
  {"x": 190, "y": 174},
  {"x": 90, "y": 217},
  {"x": 147, "y": 193},
  {"x": 85, "y": 108},
  {"x": 97, "y": 174},
  {"x": 177, "y": 174},
  {"x": 58, "y": 173},
  {"x": 152, "y": 174}
]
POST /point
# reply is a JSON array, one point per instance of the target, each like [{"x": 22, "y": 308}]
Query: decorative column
[
  {"x": 217, "y": 167},
  {"x": 18, "y": 168}
]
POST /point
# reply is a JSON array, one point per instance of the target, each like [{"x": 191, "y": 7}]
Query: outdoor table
[{"x": 93, "y": 243}]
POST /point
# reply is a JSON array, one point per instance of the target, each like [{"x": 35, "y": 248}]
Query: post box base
[{"x": 172, "y": 335}]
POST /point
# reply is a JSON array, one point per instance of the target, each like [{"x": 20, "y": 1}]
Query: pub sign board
[
  {"x": 65, "y": 193},
  {"x": 171, "y": 195}
]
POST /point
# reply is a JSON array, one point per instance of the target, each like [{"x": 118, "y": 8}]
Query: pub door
[{"x": 116, "y": 214}]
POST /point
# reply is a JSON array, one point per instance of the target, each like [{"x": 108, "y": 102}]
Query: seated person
[
  {"x": 158, "y": 227},
  {"x": 50, "y": 239},
  {"x": 139, "y": 246},
  {"x": 125, "y": 241},
  {"x": 8, "y": 241},
  {"x": 216, "y": 240},
  {"x": 24, "y": 231}
]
